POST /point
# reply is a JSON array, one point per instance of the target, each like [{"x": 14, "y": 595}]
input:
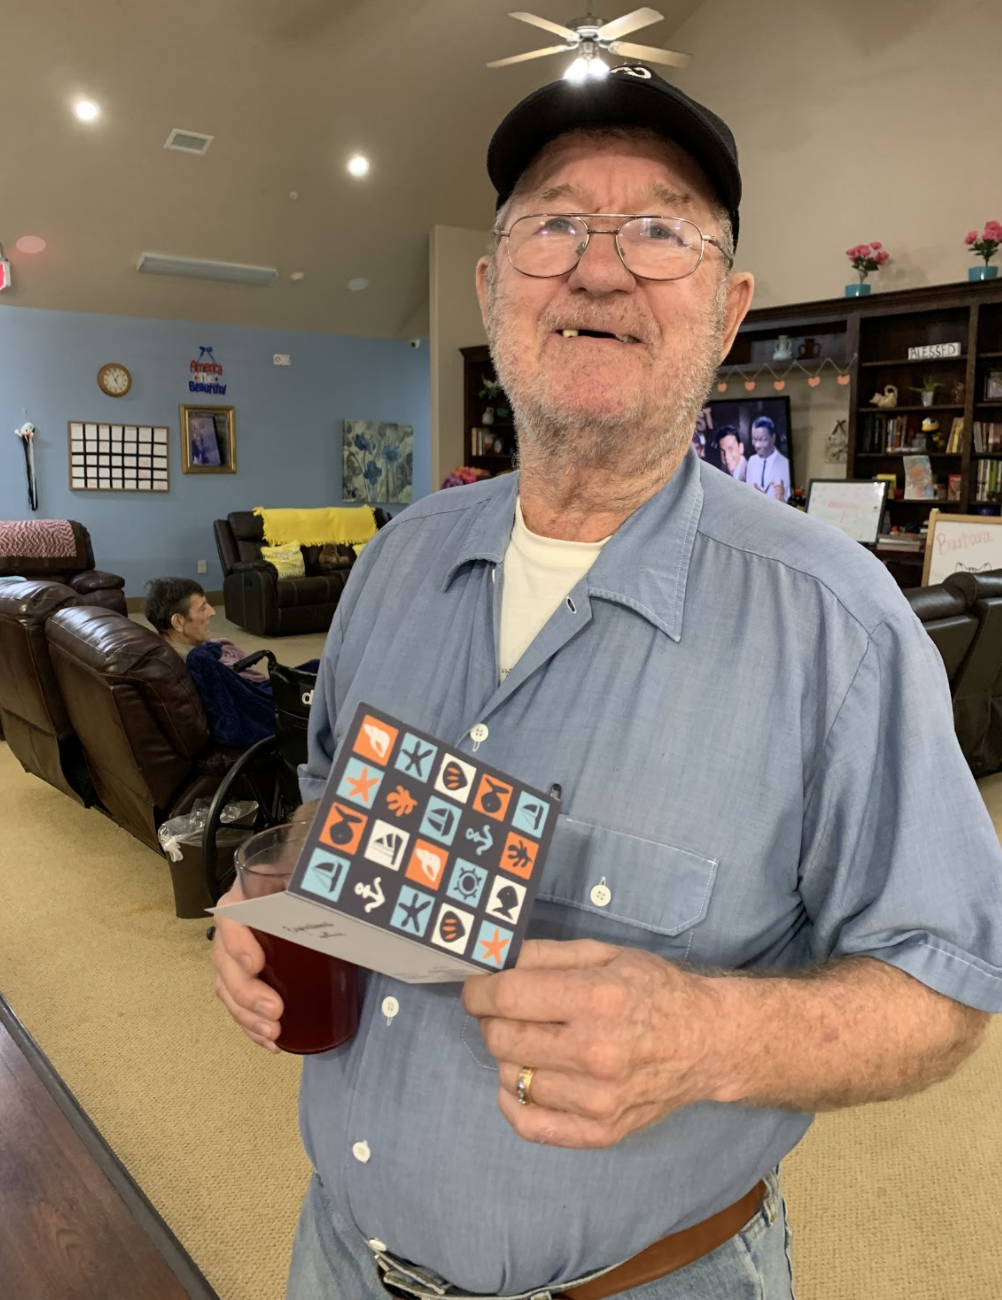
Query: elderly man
[{"x": 705, "y": 970}]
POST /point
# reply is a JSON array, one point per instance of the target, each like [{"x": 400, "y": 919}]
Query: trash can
[{"x": 181, "y": 840}]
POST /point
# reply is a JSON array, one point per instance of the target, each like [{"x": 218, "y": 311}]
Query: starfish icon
[
  {"x": 361, "y": 786},
  {"x": 412, "y": 911},
  {"x": 494, "y": 948},
  {"x": 416, "y": 758}
]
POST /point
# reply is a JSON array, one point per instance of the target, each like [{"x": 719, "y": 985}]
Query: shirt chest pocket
[{"x": 618, "y": 888}]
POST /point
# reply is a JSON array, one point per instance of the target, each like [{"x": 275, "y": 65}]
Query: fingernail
[
  {"x": 247, "y": 964},
  {"x": 264, "y": 1029},
  {"x": 262, "y": 1008}
]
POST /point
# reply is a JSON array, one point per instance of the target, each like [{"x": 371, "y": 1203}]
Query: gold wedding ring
[{"x": 524, "y": 1085}]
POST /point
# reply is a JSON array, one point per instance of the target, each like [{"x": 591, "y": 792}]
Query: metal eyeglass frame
[{"x": 622, "y": 218}]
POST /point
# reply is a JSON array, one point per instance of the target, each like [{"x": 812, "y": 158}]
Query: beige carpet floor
[{"x": 895, "y": 1202}]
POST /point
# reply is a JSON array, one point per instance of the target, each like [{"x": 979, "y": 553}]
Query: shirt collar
[{"x": 644, "y": 565}]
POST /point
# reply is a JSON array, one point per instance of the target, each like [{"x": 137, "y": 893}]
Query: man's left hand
[{"x": 618, "y": 1038}]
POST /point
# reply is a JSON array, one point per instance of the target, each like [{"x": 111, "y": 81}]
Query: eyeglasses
[{"x": 651, "y": 248}]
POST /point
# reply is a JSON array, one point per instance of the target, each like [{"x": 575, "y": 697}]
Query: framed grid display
[{"x": 118, "y": 457}]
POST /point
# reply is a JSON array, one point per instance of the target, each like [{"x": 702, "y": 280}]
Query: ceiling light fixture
[
  {"x": 358, "y": 165},
  {"x": 297, "y": 276},
  {"x": 587, "y": 65},
  {"x": 358, "y": 284},
  {"x": 30, "y": 244},
  {"x": 85, "y": 110},
  {"x": 194, "y": 268}
]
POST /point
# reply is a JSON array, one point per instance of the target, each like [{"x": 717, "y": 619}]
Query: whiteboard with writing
[
  {"x": 855, "y": 506},
  {"x": 961, "y": 543}
]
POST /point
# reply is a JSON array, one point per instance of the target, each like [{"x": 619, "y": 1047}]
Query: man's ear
[
  {"x": 176, "y": 622},
  {"x": 482, "y": 267},
  {"x": 740, "y": 289}
]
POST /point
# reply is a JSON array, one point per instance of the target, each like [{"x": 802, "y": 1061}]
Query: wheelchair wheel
[{"x": 253, "y": 775}]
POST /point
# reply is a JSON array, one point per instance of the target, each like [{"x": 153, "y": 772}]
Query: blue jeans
[{"x": 331, "y": 1261}]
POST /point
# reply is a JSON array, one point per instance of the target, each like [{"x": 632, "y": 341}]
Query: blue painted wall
[{"x": 288, "y": 424}]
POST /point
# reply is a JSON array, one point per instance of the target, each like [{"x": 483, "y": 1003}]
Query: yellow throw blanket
[{"x": 346, "y": 525}]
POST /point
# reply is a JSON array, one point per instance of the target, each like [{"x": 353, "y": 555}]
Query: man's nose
[
  {"x": 210, "y": 611},
  {"x": 600, "y": 269}
]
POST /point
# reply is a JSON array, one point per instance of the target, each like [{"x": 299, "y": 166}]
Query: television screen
[{"x": 750, "y": 439}]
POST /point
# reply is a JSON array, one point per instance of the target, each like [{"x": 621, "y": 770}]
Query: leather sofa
[
  {"x": 963, "y": 616},
  {"x": 93, "y": 586},
  {"x": 139, "y": 719},
  {"x": 258, "y": 600},
  {"x": 33, "y": 712}
]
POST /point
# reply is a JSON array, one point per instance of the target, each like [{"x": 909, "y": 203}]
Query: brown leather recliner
[
  {"x": 977, "y": 691},
  {"x": 949, "y": 622},
  {"x": 32, "y": 710},
  {"x": 138, "y": 716},
  {"x": 93, "y": 586}
]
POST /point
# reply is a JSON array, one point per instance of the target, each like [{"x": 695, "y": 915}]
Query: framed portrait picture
[{"x": 208, "y": 440}]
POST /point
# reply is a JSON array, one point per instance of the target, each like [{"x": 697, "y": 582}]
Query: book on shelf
[
  {"x": 900, "y": 542},
  {"x": 918, "y": 479},
  {"x": 988, "y": 486},
  {"x": 953, "y": 484},
  {"x": 955, "y": 442},
  {"x": 987, "y": 436}
]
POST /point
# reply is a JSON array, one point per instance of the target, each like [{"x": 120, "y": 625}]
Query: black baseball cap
[{"x": 631, "y": 95}]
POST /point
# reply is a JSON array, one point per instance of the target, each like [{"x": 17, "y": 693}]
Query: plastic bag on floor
[{"x": 188, "y": 829}]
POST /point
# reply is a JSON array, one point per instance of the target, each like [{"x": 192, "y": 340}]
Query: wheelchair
[{"x": 266, "y": 773}]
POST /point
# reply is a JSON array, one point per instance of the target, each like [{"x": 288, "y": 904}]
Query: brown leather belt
[{"x": 673, "y": 1252}]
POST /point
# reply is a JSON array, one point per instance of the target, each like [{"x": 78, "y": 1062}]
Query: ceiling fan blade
[
  {"x": 533, "y": 54},
  {"x": 629, "y": 23},
  {"x": 568, "y": 33},
  {"x": 651, "y": 55}
]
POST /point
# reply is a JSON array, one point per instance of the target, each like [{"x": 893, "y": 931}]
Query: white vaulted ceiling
[{"x": 289, "y": 89}]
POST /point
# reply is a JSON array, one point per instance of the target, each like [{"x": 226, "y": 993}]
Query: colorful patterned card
[{"x": 424, "y": 845}]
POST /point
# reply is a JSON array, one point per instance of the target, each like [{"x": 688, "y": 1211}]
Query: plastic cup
[{"x": 320, "y": 992}]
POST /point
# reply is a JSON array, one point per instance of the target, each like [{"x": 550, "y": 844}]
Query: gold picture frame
[{"x": 208, "y": 440}]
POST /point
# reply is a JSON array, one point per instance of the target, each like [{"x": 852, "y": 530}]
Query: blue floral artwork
[{"x": 377, "y": 464}]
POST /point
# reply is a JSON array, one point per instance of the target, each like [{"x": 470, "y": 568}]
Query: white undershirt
[{"x": 539, "y": 572}]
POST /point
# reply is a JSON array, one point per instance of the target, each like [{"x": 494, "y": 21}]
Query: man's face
[
  {"x": 676, "y": 331},
  {"x": 730, "y": 452},
  {"x": 193, "y": 628},
  {"x": 763, "y": 441}
]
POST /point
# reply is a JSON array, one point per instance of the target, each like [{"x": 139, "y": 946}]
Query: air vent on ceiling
[
  {"x": 194, "y": 268},
  {"x": 188, "y": 141}
]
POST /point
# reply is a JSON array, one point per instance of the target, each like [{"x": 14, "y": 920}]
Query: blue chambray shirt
[{"x": 753, "y": 737}]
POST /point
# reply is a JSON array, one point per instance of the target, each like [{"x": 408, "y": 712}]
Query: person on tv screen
[
  {"x": 768, "y": 469},
  {"x": 732, "y": 453}
]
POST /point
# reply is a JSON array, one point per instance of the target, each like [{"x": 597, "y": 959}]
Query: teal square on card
[
  {"x": 325, "y": 875},
  {"x": 416, "y": 757}
]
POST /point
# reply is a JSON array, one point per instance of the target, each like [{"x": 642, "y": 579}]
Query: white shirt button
[
  {"x": 390, "y": 1008},
  {"x": 361, "y": 1152},
  {"x": 601, "y": 894},
  {"x": 376, "y": 1244},
  {"x": 479, "y": 733}
]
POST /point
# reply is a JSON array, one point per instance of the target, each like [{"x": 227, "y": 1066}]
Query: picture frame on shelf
[
  {"x": 208, "y": 440},
  {"x": 993, "y": 386}
]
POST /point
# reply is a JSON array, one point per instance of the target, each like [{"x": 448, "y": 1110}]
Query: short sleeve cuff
[{"x": 945, "y": 969}]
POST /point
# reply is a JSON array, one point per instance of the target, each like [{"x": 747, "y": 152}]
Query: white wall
[{"x": 455, "y": 323}]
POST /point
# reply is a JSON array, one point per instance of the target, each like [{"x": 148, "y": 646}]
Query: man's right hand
[{"x": 238, "y": 957}]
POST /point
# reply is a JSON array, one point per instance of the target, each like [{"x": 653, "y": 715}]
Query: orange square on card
[
  {"x": 375, "y": 740},
  {"x": 519, "y": 856},
  {"x": 493, "y": 798},
  {"x": 343, "y": 828},
  {"x": 427, "y": 864}
]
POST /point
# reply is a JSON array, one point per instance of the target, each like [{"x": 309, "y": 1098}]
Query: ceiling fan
[{"x": 590, "y": 37}]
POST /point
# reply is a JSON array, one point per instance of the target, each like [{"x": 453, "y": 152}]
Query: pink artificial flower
[
  {"x": 993, "y": 230},
  {"x": 875, "y": 244},
  {"x": 970, "y": 237},
  {"x": 882, "y": 257}
]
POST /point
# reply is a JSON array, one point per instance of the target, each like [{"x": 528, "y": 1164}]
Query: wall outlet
[
  {"x": 282, "y": 359},
  {"x": 202, "y": 566}
]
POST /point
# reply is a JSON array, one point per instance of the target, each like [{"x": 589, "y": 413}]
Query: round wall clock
[{"x": 114, "y": 379}]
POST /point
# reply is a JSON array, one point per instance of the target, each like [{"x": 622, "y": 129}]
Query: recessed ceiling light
[
  {"x": 85, "y": 110},
  {"x": 296, "y": 275},
  {"x": 30, "y": 244},
  {"x": 358, "y": 165},
  {"x": 358, "y": 284}
]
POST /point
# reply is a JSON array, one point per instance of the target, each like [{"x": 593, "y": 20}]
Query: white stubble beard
[{"x": 647, "y": 437}]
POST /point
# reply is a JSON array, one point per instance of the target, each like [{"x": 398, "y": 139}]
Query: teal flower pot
[
  {"x": 857, "y": 290},
  {"x": 985, "y": 272}
]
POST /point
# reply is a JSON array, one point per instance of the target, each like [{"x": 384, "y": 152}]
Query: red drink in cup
[{"x": 320, "y": 993}]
